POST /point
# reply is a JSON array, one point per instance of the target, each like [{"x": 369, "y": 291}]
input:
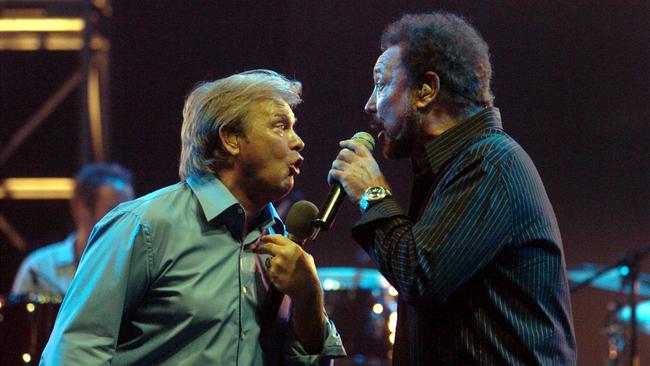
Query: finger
[
  {"x": 340, "y": 165},
  {"x": 267, "y": 248},
  {"x": 278, "y": 240},
  {"x": 347, "y": 155},
  {"x": 356, "y": 146},
  {"x": 335, "y": 176}
]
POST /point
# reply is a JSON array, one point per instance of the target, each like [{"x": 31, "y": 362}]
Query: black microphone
[
  {"x": 299, "y": 221},
  {"x": 299, "y": 226},
  {"x": 336, "y": 195}
]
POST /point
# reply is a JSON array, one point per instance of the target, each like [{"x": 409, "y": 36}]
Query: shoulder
[
  {"x": 154, "y": 214},
  {"x": 497, "y": 151},
  {"x": 48, "y": 253},
  {"x": 495, "y": 146},
  {"x": 159, "y": 203}
]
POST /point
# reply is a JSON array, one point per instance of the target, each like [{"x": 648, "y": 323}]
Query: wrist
[{"x": 373, "y": 195}]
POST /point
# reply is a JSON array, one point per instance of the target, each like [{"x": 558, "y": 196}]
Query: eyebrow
[{"x": 286, "y": 117}]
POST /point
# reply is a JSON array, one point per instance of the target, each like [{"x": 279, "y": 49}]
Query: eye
[
  {"x": 379, "y": 85},
  {"x": 281, "y": 127}
]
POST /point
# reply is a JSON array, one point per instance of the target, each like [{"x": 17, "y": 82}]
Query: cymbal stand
[
  {"x": 630, "y": 259},
  {"x": 615, "y": 332}
]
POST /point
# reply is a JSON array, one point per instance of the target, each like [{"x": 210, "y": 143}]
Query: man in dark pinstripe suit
[{"x": 478, "y": 259}]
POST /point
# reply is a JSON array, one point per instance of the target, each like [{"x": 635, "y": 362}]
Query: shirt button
[{"x": 239, "y": 210}]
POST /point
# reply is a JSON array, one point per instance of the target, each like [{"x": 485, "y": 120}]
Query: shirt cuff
[
  {"x": 295, "y": 354},
  {"x": 363, "y": 230}
]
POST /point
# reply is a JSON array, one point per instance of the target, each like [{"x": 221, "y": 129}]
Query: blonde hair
[{"x": 225, "y": 103}]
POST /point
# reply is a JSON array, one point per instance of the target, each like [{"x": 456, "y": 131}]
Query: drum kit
[
  {"x": 360, "y": 301},
  {"x": 622, "y": 276},
  {"x": 363, "y": 305},
  {"x": 25, "y": 326}
]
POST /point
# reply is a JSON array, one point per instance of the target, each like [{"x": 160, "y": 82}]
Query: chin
[
  {"x": 285, "y": 187},
  {"x": 395, "y": 150}
]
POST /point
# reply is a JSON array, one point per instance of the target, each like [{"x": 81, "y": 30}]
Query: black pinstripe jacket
[{"x": 478, "y": 260}]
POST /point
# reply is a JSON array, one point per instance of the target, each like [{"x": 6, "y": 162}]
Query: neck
[
  {"x": 80, "y": 242},
  {"x": 434, "y": 123},
  {"x": 251, "y": 203}
]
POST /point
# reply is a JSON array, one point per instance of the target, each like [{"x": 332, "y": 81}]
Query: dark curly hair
[
  {"x": 450, "y": 46},
  {"x": 93, "y": 176}
]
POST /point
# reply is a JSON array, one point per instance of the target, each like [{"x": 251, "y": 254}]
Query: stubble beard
[{"x": 402, "y": 145}]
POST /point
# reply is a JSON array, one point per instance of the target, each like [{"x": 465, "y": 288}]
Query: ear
[
  {"x": 229, "y": 140},
  {"x": 429, "y": 88}
]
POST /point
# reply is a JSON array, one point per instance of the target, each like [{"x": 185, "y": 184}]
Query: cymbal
[
  {"x": 351, "y": 278},
  {"x": 610, "y": 280},
  {"x": 642, "y": 316}
]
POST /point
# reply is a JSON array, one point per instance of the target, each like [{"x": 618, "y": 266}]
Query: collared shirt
[
  {"x": 167, "y": 279},
  {"x": 47, "y": 270},
  {"x": 478, "y": 260}
]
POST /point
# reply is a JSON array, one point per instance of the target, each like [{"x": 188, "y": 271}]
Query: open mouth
[
  {"x": 381, "y": 136},
  {"x": 294, "y": 168}
]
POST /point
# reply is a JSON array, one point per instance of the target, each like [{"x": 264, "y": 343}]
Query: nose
[
  {"x": 371, "y": 104},
  {"x": 296, "y": 142}
]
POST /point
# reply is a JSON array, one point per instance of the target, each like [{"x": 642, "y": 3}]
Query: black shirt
[{"x": 478, "y": 260}]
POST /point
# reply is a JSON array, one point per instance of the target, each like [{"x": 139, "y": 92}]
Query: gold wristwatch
[{"x": 373, "y": 195}]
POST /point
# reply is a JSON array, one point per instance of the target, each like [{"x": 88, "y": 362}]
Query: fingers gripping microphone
[
  {"x": 336, "y": 195},
  {"x": 299, "y": 225}
]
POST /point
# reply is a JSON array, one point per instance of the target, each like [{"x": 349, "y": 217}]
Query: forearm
[
  {"x": 308, "y": 322},
  {"x": 391, "y": 245}
]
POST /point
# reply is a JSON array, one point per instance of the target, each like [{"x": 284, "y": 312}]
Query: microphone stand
[{"x": 631, "y": 259}]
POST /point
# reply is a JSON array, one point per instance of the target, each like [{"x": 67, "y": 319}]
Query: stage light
[
  {"x": 392, "y": 322},
  {"x": 42, "y": 25},
  {"x": 392, "y": 291},
  {"x": 37, "y": 188}
]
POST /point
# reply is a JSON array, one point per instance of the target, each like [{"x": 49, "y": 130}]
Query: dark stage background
[{"x": 571, "y": 79}]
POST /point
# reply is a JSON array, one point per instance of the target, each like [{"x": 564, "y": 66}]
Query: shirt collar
[
  {"x": 216, "y": 200},
  {"x": 441, "y": 149},
  {"x": 66, "y": 256}
]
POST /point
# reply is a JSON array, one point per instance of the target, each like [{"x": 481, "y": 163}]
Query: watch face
[
  {"x": 371, "y": 195},
  {"x": 375, "y": 193}
]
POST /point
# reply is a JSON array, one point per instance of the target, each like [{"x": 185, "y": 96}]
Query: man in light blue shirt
[
  {"x": 99, "y": 187},
  {"x": 178, "y": 277}
]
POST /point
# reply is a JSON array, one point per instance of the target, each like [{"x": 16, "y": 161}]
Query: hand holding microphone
[
  {"x": 354, "y": 170},
  {"x": 293, "y": 272},
  {"x": 290, "y": 268}
]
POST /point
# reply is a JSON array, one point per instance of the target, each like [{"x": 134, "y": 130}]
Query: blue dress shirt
[{"x": 167, "y": 279}]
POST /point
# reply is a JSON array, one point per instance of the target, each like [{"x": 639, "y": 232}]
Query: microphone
[
  {"x": 299, "y": 226},
  {"x": 299, "y": 221},
  {"x": 335, "y": 197}
]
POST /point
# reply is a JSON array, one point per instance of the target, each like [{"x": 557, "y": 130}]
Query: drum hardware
[
  {"x": 615, "y": 331},
  {"x": 25, "y": 326},
  {"x": 363, "y": 306},
  {"x": 622, "y": 276}
]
